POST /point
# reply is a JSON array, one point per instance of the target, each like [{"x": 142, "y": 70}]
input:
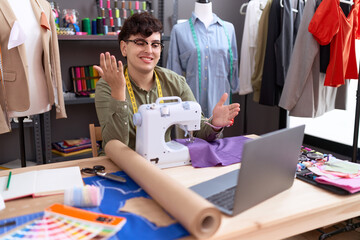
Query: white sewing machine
[{"x": 152, "y": 121}]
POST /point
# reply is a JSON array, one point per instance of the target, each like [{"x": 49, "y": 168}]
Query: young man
[{"x": 140, "y": 43}]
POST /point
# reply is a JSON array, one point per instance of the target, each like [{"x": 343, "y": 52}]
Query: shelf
[
  {"x": 87, "y": 37},
  {"x": 58, "y": 158},
  {"x": 83, "y": 100}
]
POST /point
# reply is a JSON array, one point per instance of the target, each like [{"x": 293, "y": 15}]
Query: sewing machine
[{"x": 152, "y": 121}]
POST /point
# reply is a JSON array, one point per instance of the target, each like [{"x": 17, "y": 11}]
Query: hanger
[
  {"x": 243, "y": 6},
  {"x": 293, "y": 9},
  {"x": 348, "y": 2},
  {"x": 243, "y": 12}
]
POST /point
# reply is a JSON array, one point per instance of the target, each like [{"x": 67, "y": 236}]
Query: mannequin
[
  {"x": 39, "y": 98},
  {"x": 204, "y": 50},
  {"x": 31, "y": 74},
  {"x": 203, "y": 10}
]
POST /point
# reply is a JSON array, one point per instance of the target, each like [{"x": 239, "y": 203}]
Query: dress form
[
  {"x": 39, "y": 99},
  {"x": 38, "y": 94},
  {"x": 203, "y": 10}
]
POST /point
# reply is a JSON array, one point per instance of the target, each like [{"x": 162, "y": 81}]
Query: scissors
[{"x": 99, "y": 170}]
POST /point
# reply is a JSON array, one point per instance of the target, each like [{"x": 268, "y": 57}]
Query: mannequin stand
[{"x": 22, "y": 141}]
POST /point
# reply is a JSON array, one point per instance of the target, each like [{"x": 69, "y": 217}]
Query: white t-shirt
[{"x": 39, "y": 99}]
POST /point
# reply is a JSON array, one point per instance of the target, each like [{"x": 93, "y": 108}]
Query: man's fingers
[
  {"x": 222, "y": 99},
  {"x": 99, "y": 70}
]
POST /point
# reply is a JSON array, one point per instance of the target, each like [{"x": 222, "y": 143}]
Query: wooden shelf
[
  {"x": 83, "y": 100},
  {"x": 87, "y": 37}
]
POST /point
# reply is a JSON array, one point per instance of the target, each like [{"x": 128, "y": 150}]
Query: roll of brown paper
[{"x": 195, "y": 214}]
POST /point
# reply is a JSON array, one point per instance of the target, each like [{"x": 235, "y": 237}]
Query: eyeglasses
[{"x": 142, "y": 43}]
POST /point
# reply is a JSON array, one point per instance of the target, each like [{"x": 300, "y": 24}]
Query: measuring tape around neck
[
  {"x": 131, "y": 92},
  {"x": 199, "y": 54}
]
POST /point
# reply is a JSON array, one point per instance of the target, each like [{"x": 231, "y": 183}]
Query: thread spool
[
  {"x": 144, "y": 5},
  {"x": 123, "y": 4},
  {"x": 93, "y": 27},
  {"x": 99, "y": 26},
  {"x": 86, "y": 25},
  {"x": 137, "y": 5},
  {"x": 87, "y": 196}
]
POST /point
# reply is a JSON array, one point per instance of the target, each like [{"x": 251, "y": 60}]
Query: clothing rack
[{"x": 356, "y": 124}]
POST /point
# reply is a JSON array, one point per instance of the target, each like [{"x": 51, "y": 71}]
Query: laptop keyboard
[{"x": 224, "y": 198}]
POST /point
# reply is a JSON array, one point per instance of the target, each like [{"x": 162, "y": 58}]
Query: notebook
[
  {"x": 40, "y": 183},
  {"x": 268, "y": 167}
]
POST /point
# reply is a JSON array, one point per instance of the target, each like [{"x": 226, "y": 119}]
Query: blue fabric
[
  {"x": 215, "y": 59},
  {"x": 115, "y": 196},
  {"x": 136, "y": 227}
]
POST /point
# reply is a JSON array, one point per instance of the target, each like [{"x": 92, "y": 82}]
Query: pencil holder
[{"x": 87, "y": 196}]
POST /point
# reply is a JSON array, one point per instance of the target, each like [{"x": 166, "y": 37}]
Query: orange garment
[{"x": 330, "y": 25}]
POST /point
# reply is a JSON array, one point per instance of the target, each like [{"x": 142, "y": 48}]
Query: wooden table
[{"x": 299, "y": 209}]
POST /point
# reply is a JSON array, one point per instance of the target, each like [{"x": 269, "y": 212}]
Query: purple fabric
[{"x": 221, "y": 152}]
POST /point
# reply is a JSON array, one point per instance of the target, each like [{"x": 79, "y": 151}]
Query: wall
[{"x": 253, "y": 118}]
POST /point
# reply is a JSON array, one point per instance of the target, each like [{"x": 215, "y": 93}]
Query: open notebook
[{"x": 40, "y": 182}]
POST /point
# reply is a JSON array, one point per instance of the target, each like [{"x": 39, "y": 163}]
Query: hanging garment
[
  {"x": 325, "y": 49},
  {"x": 281, "y": 36},
  {"x": 14, "y": 64},
  {"x": 214, "y": 57},
  {"x": 248, "y": 45},
  {"x": 329, "y": 24},
  {"x": 304, "y": 93},
  {"x": 256, "y": 77}
]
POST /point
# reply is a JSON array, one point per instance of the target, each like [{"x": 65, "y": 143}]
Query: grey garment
[
  {"x": 304, "y": 93},
  {"x": 115, "y": 117},
  {"x": 285, "y": 43},
  {"x": 281, "y": 39}
]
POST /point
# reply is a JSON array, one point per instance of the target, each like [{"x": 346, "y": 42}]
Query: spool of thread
[
  {"x": 110, "y": 13},
  {"x": 130, "y": 4},
  {"x": 123, "y": 4},
  {"x": 106, "y": 29},
  {"x": 117, "y": 13},
  {"x": 87, "y": 196},
  {"x": 124, "y": 13},
  {"x": 111, "y": 22},
  {"x": 144, "y": 5},
  {"x": 118, "y": 22},
  {"x": 93, "y": 27},
  {"x": 115, "y": 4},
  {"x": 108, "y": 3},
  {"x": 137, "y": 5},
  {"x": 86, "y": 25},
  {"x": 99, "y": 26}
]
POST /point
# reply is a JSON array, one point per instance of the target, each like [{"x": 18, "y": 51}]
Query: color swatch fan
[{"x": 62, "y": 222}]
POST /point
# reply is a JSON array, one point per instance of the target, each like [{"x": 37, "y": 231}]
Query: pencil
[{"x": 8, "y": 181}]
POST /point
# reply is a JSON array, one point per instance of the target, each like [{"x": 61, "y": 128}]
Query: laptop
[{"x": 268, "y": 167}]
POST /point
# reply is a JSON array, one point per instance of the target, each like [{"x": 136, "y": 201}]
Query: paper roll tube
[{"x": 195, "y": 214}]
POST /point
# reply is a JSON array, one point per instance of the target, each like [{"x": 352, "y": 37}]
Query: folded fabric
[
  {"x": 221, "y": 152},
  {"x": 351, "y": 185}
]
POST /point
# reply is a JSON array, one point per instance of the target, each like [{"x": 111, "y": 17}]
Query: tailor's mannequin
[
  {"x": 39, "y": 99},
  {"x": 203, "y": 10}
]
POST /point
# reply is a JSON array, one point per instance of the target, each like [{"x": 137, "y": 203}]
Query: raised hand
[
  {"x": 113, "y": 73},
  {"x": 223, "y": 115}
]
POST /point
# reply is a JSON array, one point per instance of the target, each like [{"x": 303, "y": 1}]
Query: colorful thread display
[
  {"x": 87, "y": 196},
  {"x": 84, "y": 79}
]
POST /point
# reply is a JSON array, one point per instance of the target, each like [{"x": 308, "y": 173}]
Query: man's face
[{"x": 142, "y": 53}]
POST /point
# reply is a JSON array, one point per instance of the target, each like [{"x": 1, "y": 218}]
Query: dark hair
[{"x": 140, "y": 23}]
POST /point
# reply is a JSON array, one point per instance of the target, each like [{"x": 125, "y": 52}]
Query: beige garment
[
  {"x": 15, "y": 64},
  {"x": 260, "y": 51}
]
